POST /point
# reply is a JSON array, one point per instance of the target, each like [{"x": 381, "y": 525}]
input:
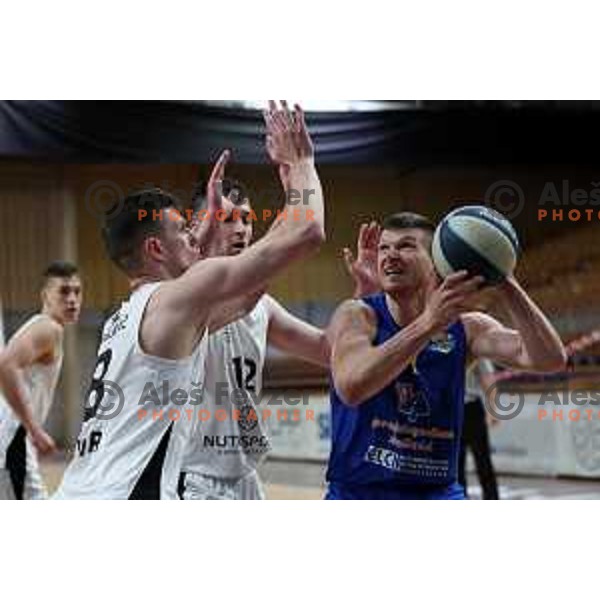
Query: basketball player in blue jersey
[{"x": 398, "y": 368}]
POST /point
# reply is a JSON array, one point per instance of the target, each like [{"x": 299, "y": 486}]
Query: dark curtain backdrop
[{"x": 190, "y": 132}]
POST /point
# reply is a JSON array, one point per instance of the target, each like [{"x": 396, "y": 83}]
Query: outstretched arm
[
  {"x": 37, "y": 343},
  {"x": 531, "y": 344},
  {"x": 186, "y": 304},
  {"x": 233, "y": 310},
  {"x": 290, "y": 334},
  {"x": 295, "y": 236}
]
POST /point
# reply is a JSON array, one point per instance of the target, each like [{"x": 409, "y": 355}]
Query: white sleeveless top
[
  {"x": 133, "y": 434},
  {"x": 230, "y": 444},
  {"x": 40, "y": 381}
]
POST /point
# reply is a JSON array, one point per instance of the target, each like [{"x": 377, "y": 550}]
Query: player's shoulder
[
  {"x": 354, "y": 313},
  {"x": 151, "y": 299},
  {"x": 46, "y": 328},
  {"x": 42, "y": 334},
  {"x": 356, "y": 306}
]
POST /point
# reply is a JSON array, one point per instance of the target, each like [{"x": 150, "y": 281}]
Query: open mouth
[
  {"x": 239, "y": 246},
  {"x": 393, "y": 271}
]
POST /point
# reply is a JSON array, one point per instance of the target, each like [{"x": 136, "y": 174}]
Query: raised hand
[
  {"x": 205, "y": 230},
  {"x": 363, "y": 269},
  {"x": 214, "y": 189},
  {"x": 288, "y": 140}
]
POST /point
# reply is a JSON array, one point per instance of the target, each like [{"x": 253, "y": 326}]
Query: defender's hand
[
  {"x": 288, "y": 140},
  {"x": 363, "y": 269},
  {"x": 205, "y": 230}
]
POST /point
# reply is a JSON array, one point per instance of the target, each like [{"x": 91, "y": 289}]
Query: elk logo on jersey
[{"x": 411, "y": 401}]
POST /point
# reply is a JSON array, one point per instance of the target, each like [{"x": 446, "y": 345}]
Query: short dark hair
[
  {"x": 124, "y": 232},
  {"x": 227, "y": 186},
  {"x": 408, "y": 220},
  {"x": 59, "y": 268}
]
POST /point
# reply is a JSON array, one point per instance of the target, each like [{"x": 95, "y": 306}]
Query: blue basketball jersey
[{"x": 403, "y": 442}]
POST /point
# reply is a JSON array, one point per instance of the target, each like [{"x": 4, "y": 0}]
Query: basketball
[{"x": 476, "y": 239}]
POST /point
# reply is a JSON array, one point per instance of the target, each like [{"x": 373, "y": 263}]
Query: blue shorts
[{"x": 339, "y": 491}]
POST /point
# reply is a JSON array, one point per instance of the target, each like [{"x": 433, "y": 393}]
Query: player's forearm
[
  {"x": 296, "y": 236},
  {"x": 543, "y": 345},
  {"x": 321, "y": 354},
  {"x": 290, "y": 334},
  {"x": 305, "y": 203},
  {"x": 366, "y": 373},
  {"x": 234, "y": 310},
  {"x": 13, "y": 389},
  {"x": 313, "y": 348},
  {"x": 261, "y": 262}
]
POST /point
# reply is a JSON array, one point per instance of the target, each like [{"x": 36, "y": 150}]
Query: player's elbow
[
  {"x": 312, "y": 236},
  {"x": 350, "y": 391},
  {"x": 308, "y": 236},
  {"x": 302, "y": 238}
]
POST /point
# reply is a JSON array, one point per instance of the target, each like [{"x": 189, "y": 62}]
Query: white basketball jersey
[
  {"x": 40, "y": 382},
  {"x": 231, "y": 438},
  {"x": 138, "y": 416}
]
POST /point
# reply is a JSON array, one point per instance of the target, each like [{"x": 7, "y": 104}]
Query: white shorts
[
  {"x": 193, "y": 486},
  {"x": 20, "y": 477}
]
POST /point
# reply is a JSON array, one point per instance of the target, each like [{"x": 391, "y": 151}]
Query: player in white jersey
[
  {"x": 29, "y": 370},
  {"x": 224, "y": 453},
  {"x": 151, "y": 356}
]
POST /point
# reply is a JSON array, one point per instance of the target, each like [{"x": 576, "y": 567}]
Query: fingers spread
[{"x": 287, "y": 115}]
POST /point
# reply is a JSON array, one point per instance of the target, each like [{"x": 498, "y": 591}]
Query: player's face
[
  {"x": 178, "y": 245},
  {"x": 62, "y": 298},
  {"x": 404, "y": 260},
  {"x": 236, "y": 229}
]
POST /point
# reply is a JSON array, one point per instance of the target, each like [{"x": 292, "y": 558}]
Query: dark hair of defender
[{"x": 124, "y": 233}]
